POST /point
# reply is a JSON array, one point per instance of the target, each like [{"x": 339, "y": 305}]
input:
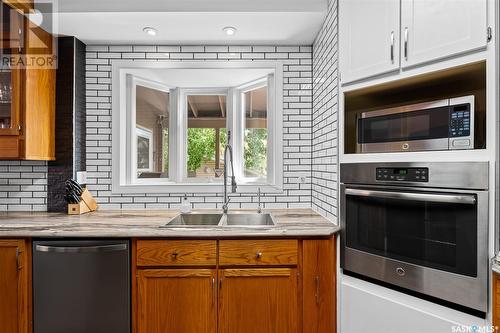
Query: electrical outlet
[{"x": 81, "y": 177}]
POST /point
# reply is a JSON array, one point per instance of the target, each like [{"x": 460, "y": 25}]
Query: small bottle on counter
[{"x": 185, "y": 205}]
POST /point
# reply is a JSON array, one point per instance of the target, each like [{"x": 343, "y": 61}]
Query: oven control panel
[{"x": 403, "y": 174}]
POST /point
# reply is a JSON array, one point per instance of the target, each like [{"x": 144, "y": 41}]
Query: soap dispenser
[{"x": 185, "y": 205}]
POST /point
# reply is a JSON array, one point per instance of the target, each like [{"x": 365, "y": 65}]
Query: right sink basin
[{"x": 250, "y": 219}]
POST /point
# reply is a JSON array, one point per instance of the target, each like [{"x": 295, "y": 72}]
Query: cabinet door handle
[
  {"x": 392, "y": 46},
  {"x": 406, "y": 44},
  {"x": 18, "y": 259},
  {"x": 316, "y": 280},
  {"x": 213, "y": 291}
]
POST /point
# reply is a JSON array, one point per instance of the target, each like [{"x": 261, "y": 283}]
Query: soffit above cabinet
[{"x": 281, "y": 22}]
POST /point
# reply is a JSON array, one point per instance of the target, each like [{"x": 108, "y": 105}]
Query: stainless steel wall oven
[{"x": 418, "y": 226}]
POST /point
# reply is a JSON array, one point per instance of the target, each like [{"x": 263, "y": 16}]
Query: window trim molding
[{"x": 120, "y": 122}]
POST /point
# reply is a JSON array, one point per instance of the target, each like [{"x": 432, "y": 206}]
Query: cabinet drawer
[
  {"x": 176, "y": 253},
  {"x": 9, "y": 147},
  {"x": 257, "y": 252}
]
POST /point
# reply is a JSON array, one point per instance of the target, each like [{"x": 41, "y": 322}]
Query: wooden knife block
[{"x": 87, "y": 204}]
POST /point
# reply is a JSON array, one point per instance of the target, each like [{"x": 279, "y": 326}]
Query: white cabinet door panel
[
  {"x": 368, "y": 31},
  {"x": 436, "y": 29}
]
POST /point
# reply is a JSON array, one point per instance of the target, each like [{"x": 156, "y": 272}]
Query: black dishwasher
[{"x": 81, "y": 286}]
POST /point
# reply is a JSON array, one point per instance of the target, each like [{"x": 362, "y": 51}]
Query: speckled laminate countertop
[{"x": 144, "y": 223}]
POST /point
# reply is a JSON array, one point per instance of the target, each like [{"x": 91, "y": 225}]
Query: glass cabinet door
[{"x": 11, "y": 47}]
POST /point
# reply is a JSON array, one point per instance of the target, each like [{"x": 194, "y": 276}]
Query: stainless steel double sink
[{"x": 220, "y": 220}]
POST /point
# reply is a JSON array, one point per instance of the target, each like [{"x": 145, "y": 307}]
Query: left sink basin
[{"x": 195, "y": 220}]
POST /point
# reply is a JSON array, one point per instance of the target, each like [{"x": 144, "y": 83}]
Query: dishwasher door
[{"x": 81, "y": 286}]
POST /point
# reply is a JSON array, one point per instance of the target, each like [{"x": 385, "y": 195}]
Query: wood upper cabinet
[
  {"x": 177, "y": 301},
  {"x": 434, "y": 29},
  {"x": 319, "y": 286},
  {"x": 21, "y": 5},
  {"x": 14, "y": 287},
  {"x": 27, "y": 89},
  {"x": 368, "y": 38},
  {"x": 258, "y": 300}
]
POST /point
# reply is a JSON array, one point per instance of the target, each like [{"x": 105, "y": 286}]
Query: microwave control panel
[
  {"x": 460, "y": 121},
  {"x": 403, "y": 174}
]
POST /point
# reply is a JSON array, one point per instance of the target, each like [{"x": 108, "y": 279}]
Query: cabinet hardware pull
[
  {"x": 174, "y": 255},
  {"x": 258, "y": 255},
  {"x": 18, "y": 263},
  {"x": 392, "y": 46},
  {"x": 316, "y": 280},
  {"x": 19, "y": 31},
  {"x": 213, "y": 291},
  {"x": 406, "y": 43}
]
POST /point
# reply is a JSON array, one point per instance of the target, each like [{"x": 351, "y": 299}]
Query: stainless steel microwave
[{"x": 446, "y": 124}]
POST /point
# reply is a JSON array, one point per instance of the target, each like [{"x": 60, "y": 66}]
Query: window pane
[
  {"x": 255, "y": 136},
  {"x": 206, "y": 135},
  {"x": 152, "y": 117}
]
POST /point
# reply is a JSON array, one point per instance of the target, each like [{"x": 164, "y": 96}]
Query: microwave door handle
[{"x": 445, "y": 198}]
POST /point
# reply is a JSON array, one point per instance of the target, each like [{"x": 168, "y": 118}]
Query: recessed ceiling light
[
  {"x": 150, "y": 31},
  {"x": 229, "y": 30}
]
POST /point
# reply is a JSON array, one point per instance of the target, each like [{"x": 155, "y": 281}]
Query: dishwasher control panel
[{"x": 402, "y": 174}]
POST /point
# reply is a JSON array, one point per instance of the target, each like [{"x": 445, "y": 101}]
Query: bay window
[{"x": 173, "y": 123}]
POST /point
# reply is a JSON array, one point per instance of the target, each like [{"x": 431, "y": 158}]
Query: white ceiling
[{"x": 259, "y": 22}]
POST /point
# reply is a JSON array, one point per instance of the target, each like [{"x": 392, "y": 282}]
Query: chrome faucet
[{"x": 233, "y": 179}]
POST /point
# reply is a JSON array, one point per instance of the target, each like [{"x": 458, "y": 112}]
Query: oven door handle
[{"x": 446, "y": 198}]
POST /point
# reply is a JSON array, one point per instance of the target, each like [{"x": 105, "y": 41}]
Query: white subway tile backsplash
[
  {"x": 297, "y": 114},
  {"x": 309, "y": 129}
]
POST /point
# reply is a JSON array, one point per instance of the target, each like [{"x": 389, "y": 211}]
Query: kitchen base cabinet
[
  {"x": 234, "y": 286},
  {"x": 262, "y": 300},
  {"x": 496, "y": 301},
  {"x": 15, "y": 314},
  {"x": 177, "y": 300},
  {"x": 319, "y": 286}
]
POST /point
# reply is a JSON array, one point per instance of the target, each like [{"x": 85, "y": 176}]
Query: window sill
[{"x": 181, "y": 188}]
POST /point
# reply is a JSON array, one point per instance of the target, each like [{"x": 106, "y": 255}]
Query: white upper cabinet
[
  {"x": 369, "y": 38},
  {"x": 434, "y": 29}
]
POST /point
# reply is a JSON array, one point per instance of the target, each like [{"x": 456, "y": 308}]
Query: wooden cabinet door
[
  {"x": 368, "y": 38},
  {"x": 319, "y": 286},
  {"x": 38, "y": 123},
  {"x": 262, "y": 300},
  {"x": 14, "y": 305},
  {"x": 177, "y": 301},
  {"x": 496, "y": 300},
  {"x": 434, "y": 29}
]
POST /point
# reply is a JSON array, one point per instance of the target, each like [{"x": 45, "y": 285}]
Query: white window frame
[
  {"x": 123, "y": 73},
  {"x": 239, "y": 114},
  {"x": 145, "y": 133},
  {"x": 132, "y": 81},
  {"x": 182, "y": 147}
]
